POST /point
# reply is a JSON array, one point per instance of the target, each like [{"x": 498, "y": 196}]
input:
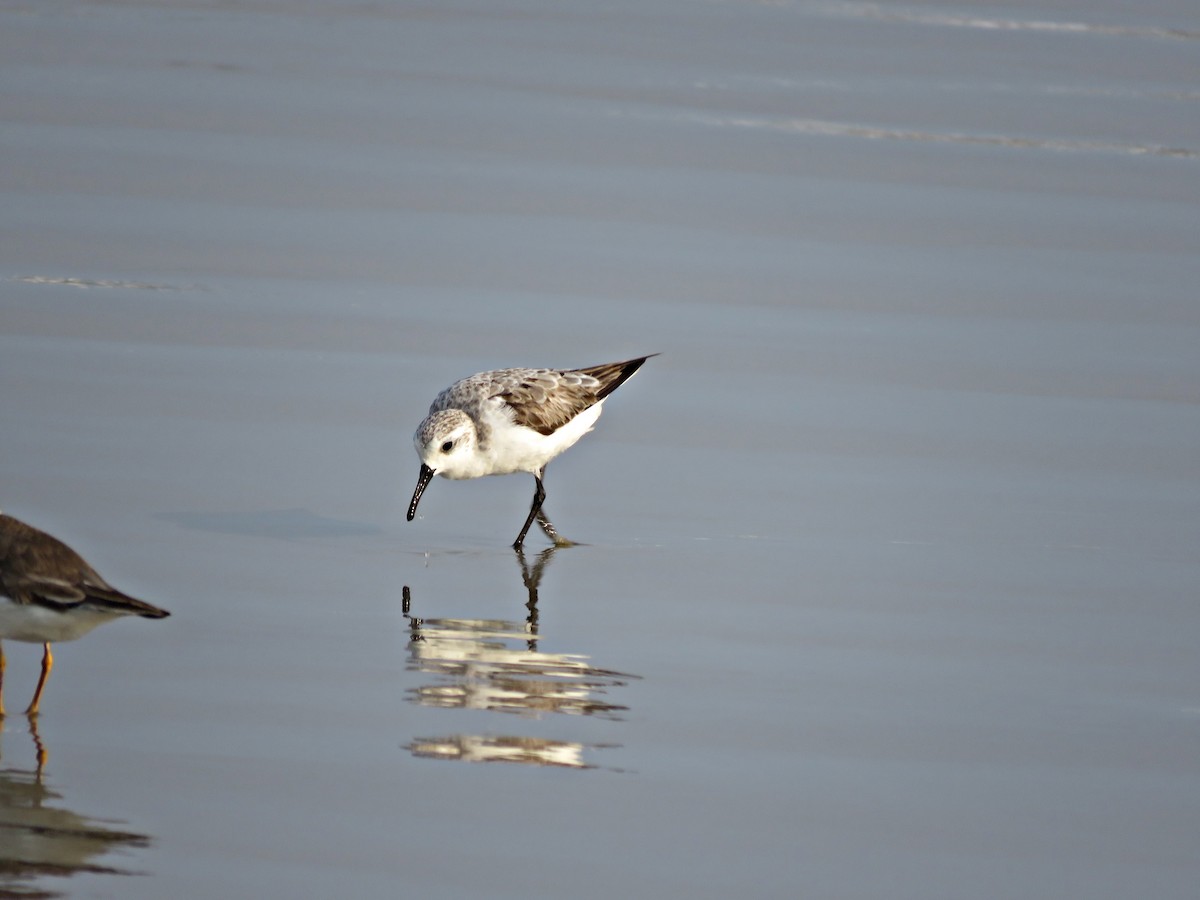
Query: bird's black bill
[{"x": 422, "y": 483}]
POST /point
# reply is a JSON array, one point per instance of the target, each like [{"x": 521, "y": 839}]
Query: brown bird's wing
[{"x": 36, "y": 567}]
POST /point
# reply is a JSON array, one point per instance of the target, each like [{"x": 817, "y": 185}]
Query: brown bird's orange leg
[
  {"x": 3, "y": 663},
  {"x": 47, "y": 665}
]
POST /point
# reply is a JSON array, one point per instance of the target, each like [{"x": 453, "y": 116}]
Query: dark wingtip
[
  {"x": 146, "y": 610},
  {"x": 618, "y": 374},
  {"x": 119, "y": 603}
]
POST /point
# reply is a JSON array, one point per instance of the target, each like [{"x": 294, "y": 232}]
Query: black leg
[{"x": 539, "y": 495}]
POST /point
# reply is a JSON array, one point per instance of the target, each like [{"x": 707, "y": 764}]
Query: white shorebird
[
  {"x": 513, "y": 420},
  {"x": 48, "y": 593}
]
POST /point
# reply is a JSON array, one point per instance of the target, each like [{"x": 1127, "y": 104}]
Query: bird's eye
[{"x": 448, "y": 446}]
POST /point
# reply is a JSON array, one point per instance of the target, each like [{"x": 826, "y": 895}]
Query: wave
[
  {"x": 918, "y": 16},
  {"x": 824, "y": 128}
]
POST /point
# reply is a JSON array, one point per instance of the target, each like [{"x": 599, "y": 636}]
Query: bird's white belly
[
  {"x": 516, "y": 449},
  {"x": 38, "y": 625}
]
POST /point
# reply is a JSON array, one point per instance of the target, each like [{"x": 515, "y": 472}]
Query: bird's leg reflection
[
  {"x": 42, "y": 753},
  {"x": 532, "y": 576}
]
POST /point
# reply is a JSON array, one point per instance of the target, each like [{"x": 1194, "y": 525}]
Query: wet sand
[{"x": 888, "y": 575}]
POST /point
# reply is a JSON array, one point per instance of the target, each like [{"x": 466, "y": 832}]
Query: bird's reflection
[
  {"x": 41, "y": 839},
  {"x": 495, "y": 665},
  {"x": 528, "y": 750}
]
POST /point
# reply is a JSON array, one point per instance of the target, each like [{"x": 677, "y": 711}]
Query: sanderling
[
  {"x": 48, "y": 593},
  {"x": 513, "y": 420}
]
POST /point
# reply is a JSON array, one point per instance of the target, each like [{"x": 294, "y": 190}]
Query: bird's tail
[{"x": 612, "y": 375}]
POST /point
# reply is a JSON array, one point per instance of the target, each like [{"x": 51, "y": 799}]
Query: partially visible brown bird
[{"x": 49, "y": 593}]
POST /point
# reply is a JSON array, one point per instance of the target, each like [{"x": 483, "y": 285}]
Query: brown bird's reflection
[
  {"x": 40, "y": 840},
  {"x": 495, "y": 665}
]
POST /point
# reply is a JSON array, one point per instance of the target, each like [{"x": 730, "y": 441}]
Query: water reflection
[
  {"x": 39, "y": 839},
  {"x": 532, "y": 751},
  {"x": 495, "y": 665}
]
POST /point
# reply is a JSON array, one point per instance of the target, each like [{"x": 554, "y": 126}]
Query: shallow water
[{"x": 888, "y": 579}]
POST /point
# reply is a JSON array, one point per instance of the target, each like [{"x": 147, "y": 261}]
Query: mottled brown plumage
[{"x": 547, "y": 399}]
